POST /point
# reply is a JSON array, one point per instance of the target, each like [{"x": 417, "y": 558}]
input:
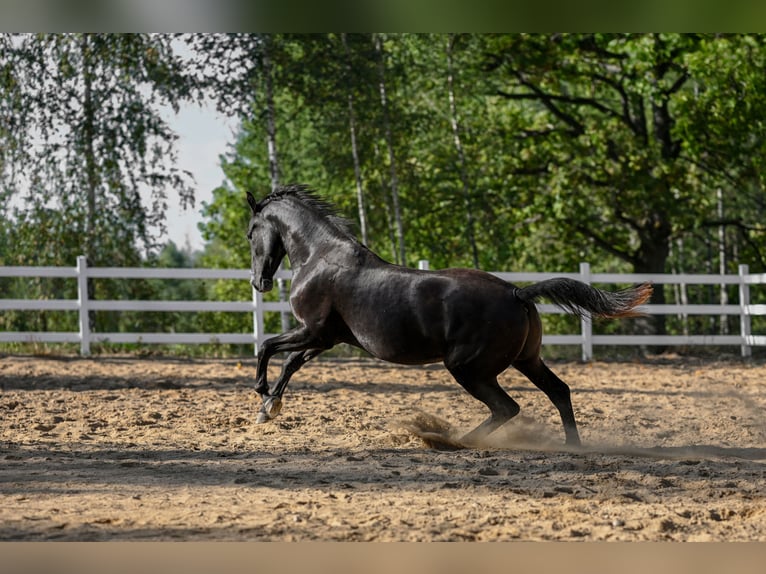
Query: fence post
[
  {"x": 586, "y": 323},
  {"x": 257, "y": 319},
  {"x": 83, "y": 305},
  {"x": 423, "y": 265},
  {"x": 744, "y": 311}
]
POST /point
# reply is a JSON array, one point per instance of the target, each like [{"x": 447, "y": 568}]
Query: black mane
[{"x": 310, "y": 199}]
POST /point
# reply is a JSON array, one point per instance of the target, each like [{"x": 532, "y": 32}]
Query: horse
[{"x": 474, "y": 322}]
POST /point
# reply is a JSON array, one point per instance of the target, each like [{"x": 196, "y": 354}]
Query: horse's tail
[{"x": 576, "y": 297}]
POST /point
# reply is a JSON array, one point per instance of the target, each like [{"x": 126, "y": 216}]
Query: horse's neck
[{"x": 304, "y": 243}]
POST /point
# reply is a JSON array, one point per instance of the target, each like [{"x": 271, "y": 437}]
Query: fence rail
[{"x": 258, "y": 307}]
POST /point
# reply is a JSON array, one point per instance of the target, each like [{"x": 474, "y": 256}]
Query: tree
[
  {"x": 456, "y": 132},
  {"x": 722, "y": 126},
  {"x": 308, "y": 83},
  {"x": 608, "y": 135},
  {"x": 393, "y": 182},
  {"x": 90, "y": 138},
  {"x": 354, "y": 148},
  {"x": 87, "y": 157},
  {"x": 11, "y": 108}
]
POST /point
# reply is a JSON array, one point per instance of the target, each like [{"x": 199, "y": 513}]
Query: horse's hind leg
[
  {"x": 556, "y": 390},
  {"x": 486, "y": 389}
]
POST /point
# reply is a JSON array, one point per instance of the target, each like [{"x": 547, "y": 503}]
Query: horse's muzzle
[{"x": 262, "y": 284}]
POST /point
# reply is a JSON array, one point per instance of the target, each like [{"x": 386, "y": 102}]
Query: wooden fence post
[
  {"x": 744, "y": 310},
  {"x": 586, "y": 323},
  {"x": 83, "y": 305}
]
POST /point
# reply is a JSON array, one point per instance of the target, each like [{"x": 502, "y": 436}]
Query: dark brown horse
[{"x": 341, "y": 292}]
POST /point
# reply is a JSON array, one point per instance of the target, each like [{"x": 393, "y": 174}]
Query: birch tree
[
  {"x": 360, "y": 198},
  {"x": 270, "y": 110},
  {"x": 91, "y": 141},
  {"x": 393, "y": 182},
  {"x": 462, "y": 167}
]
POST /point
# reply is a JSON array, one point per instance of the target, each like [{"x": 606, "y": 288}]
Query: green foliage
[
  {"x": 88, "y": 163},
  {"x": 87, "y": 140},
  {"x": 633, "y": 133},
  {"x": 610, "y": 148},
  {"x": 636, "y": 152}
]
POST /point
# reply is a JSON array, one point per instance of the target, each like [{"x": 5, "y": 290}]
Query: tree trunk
[
  {"x": 271, "y": 144},
  {"x": 454, "y": 120},
  {"x": 401, "y": 256},
  {"x": 360, "y": 200},
  {"x": 386, "y": 203},
  {"x": 724, "y": 319},
  {"x": 89, "y": 135},
  {"x": 91, "y": 170},
  {"x": 652, "y": 257},
  {"x": 271, "y": 129}
]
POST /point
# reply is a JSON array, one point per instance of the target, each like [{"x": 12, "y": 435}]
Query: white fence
[
  {"x": 83, "y": 305},
  {"x": 585, "y": 339}
]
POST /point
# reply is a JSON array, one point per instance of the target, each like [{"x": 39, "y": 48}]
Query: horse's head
[{"x": 266, "y": 247}]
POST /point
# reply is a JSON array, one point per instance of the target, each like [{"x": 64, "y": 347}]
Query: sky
[{"x": 203, "y": 136}]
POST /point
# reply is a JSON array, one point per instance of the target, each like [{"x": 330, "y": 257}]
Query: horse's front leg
[
  {"x": 296, "y": 339},
  {"x": 303, "y": 343},
  {"x": 272, "y": 401}
]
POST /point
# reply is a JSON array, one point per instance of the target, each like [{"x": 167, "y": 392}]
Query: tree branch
[
  {"x": 607, "y": 246},
  {"x": 548, "y": 100},
  {"x": 737, "y": 222},
  {"x": 680, "y": 81},
  {"x": 626, "y": 116},
  {"x": 632, "y": 223}
]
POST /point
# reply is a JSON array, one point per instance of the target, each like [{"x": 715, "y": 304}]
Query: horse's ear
[{"x": 252, "y": 202}]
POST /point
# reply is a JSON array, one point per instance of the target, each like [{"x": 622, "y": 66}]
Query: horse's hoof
[
  {"x": 269, "y": 409},
  {"x": 272, "y": 405},
  {"x": 262, "y": 418}
]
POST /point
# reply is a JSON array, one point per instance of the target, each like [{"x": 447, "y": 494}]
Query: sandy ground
[{"x": 129, "y": 449}]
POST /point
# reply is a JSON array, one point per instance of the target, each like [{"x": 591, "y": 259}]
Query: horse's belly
[
  {"x": 400, "y": 342},
  {"x": 417, "y": 356}
]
